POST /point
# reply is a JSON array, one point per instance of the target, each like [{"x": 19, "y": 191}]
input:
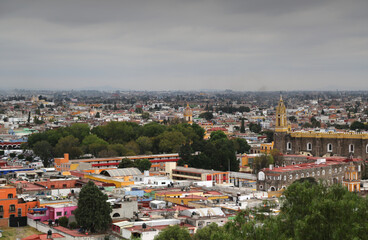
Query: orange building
[
  {"x": 11, "y": 206},
  {"x": 60, "y": 162}
]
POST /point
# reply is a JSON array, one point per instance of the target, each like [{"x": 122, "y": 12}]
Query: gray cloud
[{"x": 240, "y": 45}]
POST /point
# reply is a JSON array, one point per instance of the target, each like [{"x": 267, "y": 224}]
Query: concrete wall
[{"x": 45, "y": 228}]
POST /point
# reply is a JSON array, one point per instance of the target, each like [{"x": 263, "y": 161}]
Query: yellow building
[
  {"x": 118, "y": 182},
  {"x": 351, "y": 179},
  {"x": 266, "y": 148}
]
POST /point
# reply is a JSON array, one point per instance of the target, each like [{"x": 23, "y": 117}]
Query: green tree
[
  {"x": 145, "y": 144},
  {"x": 29, "y": 117},
  {"x": 210, "y": 232},
  {"x": 255, "y": 127},
  {"x": 132, "y": 147},
  {"x": 262, "y": 161},
  {"x": 313, "y": 211},
  {"x": 126, "y": 163},
  {"x": 171, "y": 142},
  {"x": 79, "y": 130},
  {"x": 118, "y": 148},
  {"x": 241, "y": 145},
  {"x": 242, "y": 126},
  {"x": 105, "y": 153},
  {"x": 278, "y": 158},
  {"x": 145, "y": 115},
  {"x": 44, "y": 150},
  {"x": 206, "y": 115},
  {"x": 142, "y": 164},
  {"x": 91, "y": 198},
  {"x": 69, "y": 145},
  {"x": 315, "y": 123},
  {"x": 93, "y": 144},
  {"x": 173, "y": 233},
  {"x": 153, "y": 129},
  {"x": 358, "y": 126},
  {"x": 216, "y": 135},
  {"x": 269, "y": 136}
]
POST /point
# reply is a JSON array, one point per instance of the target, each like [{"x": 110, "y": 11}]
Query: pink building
[{"x": 52, "y": 212}]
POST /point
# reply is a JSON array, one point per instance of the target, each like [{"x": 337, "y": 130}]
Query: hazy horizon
[{"x": 177, "y": 45}]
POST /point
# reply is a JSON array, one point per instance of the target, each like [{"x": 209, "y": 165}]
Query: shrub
[
  {"x": 73, "y": 225},
  {"x": 63, "y": 221}
]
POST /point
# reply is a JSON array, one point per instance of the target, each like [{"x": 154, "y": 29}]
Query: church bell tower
[
  {"x": 188, "y": 114},
  {"x": 281, "y": 118}
]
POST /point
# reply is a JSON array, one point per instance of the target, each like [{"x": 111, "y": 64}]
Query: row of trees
[
  {"x": 127, "y": 139},
  {"x": 113, "y": 139},
  {"x": 309, "y": 211}
]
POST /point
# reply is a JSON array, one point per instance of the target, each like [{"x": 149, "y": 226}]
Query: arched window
[
  {"x": 10, "y": 195},
  {"x": 366, "y": 148},
  {"x": 288, "y": 146},
  {"x": 302, "y": 175},
  {"x": 329, "y": 147},
  {"x": 351, "y": 148},
  {"x": 116, "y": 215},
  {"x": 309, "y": 146}
]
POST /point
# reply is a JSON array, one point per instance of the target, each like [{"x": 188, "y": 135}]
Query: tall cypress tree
[
  {"x": 242, "y": 127},
  {"x": 93, "y": 212}
]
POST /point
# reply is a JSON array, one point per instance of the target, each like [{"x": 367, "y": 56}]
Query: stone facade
[
  {"x": 330, "y": 171},
  {"x": 322, "y": 144}
]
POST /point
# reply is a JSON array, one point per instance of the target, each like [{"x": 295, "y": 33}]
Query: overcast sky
[{"x": 184, "y": 44}]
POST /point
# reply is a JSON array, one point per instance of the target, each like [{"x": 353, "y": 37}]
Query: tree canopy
[
  {"x": 174, "y": 233},
  {"x": 93, "y": 212},
  {"x": 118, "y": 139},
  {"x": 206, "y": 115},
  {"x": 309, "y": 211}
]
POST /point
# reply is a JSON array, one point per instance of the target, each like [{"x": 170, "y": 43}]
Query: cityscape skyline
[{"x": 181, "y": 45}]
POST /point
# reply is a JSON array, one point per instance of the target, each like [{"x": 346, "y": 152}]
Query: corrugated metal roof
[{"x": 121, "y": 172}]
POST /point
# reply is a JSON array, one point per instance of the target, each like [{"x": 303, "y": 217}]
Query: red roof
[
  {"x": 43, "y": 236},
  {"x": 329, "y": 162},
  {"x": 217, "y": 129}
]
